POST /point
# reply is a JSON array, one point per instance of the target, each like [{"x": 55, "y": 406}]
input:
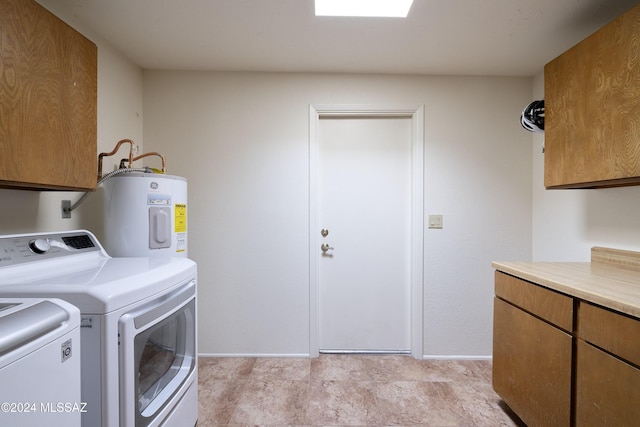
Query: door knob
[{"x": 325, "y": 247}]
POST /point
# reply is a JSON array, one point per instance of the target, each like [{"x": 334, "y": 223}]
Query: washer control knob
[{"x": 39, "y": 246}]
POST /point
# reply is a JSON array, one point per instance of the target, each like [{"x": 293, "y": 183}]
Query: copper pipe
[
  {"x": 101, "y": 155},
  {"x": 153, "y": 153}
]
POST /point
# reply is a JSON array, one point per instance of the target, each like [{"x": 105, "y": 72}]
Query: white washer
[
  {"x": 39, "y": 363},
  {"x": 138, "y": 324}
]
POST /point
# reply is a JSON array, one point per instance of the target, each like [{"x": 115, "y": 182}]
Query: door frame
[{"x": 416, "y": 114}]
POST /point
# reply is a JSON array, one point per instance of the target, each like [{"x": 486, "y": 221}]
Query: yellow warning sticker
[{"x": 180, "y": 220}]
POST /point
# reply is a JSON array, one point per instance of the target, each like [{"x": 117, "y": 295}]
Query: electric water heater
[{"x": 145, "y": 215}]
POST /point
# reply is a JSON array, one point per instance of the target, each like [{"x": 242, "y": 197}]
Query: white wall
[
  {"x": 567, "y": 223},
  {"x": 119, "y": 116},
  {"x": 242, "y": 140}
]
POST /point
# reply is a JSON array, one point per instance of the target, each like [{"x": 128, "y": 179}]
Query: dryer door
[{"x": 157, "y": 356}]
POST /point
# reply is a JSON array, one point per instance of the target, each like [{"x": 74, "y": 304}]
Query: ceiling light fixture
[{"x": 369, "y": 8}]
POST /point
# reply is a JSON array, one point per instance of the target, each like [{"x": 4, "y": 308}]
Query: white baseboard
[
  {"x": 305, "y": 356},
  {"x": 455, "y": 357}
]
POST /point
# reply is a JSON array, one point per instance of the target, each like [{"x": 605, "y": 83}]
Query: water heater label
[
  {"x": 180, "y": 219},
  {"x": 181, "y": 242},
  {"x": 158, "y": 199}
]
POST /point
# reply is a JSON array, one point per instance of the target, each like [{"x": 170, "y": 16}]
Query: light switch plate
[{"x": 435, "y": 221}]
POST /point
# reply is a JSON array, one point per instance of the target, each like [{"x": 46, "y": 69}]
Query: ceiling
[{"x": 451, "y": 37}]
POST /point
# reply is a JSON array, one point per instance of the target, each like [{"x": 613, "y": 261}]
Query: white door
[{"x": 364, "y": 184}]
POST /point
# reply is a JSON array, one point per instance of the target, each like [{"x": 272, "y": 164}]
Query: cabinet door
[
  {"x": 607, "y": 389},
  {"x": 48, "y": 114},
  {"x": 592, "y": 109},
  {"x": 531, "y": 366}
]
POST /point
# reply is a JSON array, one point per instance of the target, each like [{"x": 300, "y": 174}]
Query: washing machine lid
[
  {"x": 87, "y": 278},
  {"x": 22, "y": 320},
  {"x": 27, "y": 324}
]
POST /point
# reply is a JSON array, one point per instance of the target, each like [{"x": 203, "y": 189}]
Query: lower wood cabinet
[
  {"x": 561, "y": 361},
  {"x": 532, "y": 351},
  {"x": 607, "y": 379},
  {"x": 607, "y": 389},
  {"x": 531, "y": 366}
]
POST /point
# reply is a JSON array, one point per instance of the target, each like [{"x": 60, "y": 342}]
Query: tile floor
[{"x": 348, "y": 390}]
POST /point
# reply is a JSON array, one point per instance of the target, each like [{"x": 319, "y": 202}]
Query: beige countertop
[{"x": 612, "y": 282}]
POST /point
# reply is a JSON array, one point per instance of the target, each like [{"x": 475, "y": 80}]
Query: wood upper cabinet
[
  {"x": 592, "y": 109},
  {"x": 48, "y": 98}
]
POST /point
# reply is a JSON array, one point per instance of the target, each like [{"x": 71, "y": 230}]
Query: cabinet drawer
[
  {"x": 607, "y": 389},
  {"x": 531, "y": 366},
  {"x": 614, "y": 332},
  {"x": 549, "y": 305}
]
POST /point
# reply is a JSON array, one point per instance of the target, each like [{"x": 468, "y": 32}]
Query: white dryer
[
  {"x": 39, "y": 363},
  {"x": 138, "y": 324}
]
